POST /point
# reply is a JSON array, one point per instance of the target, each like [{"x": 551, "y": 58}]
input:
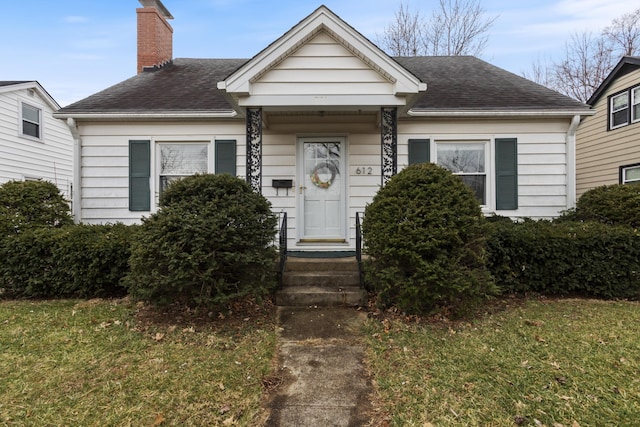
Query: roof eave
[
  {"x": 123, "y": 115},
  {"x": 499, "y": 113}
]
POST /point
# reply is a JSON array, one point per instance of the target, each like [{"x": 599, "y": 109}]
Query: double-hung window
[
  {"x": 619, "y": 109},
  {"x": 467, "y": 160},
  {"x": 180, "y": 160},
  {"x": 635, "y": 104},
  {"x": 31, "y": 121}
]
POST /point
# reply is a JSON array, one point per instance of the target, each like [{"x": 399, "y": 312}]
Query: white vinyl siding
[
  {"x": 542, "y": 159},
  {"x": 24, "y": 157},
  {"x": 105, "y": 162}
]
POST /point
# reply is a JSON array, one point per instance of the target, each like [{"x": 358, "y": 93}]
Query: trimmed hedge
[
  {"x": 424, "y": 232},
  {"x": 31, "y": 204},
  {"x": 210, "y": 242},
  {"x": 565, "y": 258},
  {"x": 82, "y": 261}
]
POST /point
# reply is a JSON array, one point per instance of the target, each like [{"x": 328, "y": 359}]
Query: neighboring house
[
  {"x": 317, "y": 122},
  {"x": 608, "y": 143},
  {"x": 33, "y": 145}
]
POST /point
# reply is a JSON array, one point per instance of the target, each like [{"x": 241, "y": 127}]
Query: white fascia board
[
  {"x": 148, "y": 115},
  {"x": 293, "y": 101},
  {"x": 499, "y": 113}
]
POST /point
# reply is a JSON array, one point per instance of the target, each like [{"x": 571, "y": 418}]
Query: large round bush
[
  {"x": 609, "y": 204},
  {"x": 209, "y": 243},
  {"x": 31, "y": 204},
  {"x": 424, "y": 235}
]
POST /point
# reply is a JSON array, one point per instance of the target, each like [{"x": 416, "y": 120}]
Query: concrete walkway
[{"x": 324, "y": 381}]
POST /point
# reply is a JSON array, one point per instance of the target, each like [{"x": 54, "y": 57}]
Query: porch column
[
  {"x": 389, "y": 142},
  {"x": 254, "y": 148}
]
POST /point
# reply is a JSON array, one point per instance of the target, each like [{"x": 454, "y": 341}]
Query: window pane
[
  {"x": 183, "y": 159},
  {"x": 477, "y": 184},
  {"x": 619, "y": 118},
  {"x": 30, "y": 129},
  {"x": 632, "y": 174},
  {"x": 461, "y": 158},
  {"x": 635, "y": 101},
  {"x": 30, "y": 113},
  {"x": 619, "y": 102}
]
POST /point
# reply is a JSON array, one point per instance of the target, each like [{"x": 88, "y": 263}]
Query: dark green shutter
[
  {"x": 225, "y": 157},
  {"x": 506, "y": 173},
  {"x": 419, "y": 151},
  {"x": 139, "y": 173}
]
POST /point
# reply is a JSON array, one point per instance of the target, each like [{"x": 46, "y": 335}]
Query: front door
[{"x": 322, "y": 190}]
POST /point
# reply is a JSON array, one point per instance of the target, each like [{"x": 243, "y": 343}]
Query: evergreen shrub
[
  {"x": 608, "y": 204},
  {"x": 424, "y": 234},
  {"x": 29, "y": 204},
  {"x": 209, "y": 243}
]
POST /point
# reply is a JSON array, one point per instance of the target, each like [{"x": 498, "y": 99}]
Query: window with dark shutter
[
  {"x": 139, "y": 173},
  {"x": 506, "y": 173}
]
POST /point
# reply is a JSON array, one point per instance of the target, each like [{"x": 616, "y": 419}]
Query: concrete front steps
[{"x": 323, "y": 282}]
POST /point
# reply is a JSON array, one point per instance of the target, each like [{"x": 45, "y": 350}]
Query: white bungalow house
[
  {"x": 33, "y": 145},
  {"x": 317, "y": 122}
]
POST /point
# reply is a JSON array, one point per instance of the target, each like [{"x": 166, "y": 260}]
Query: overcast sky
[{"x": 75, "y": 48}]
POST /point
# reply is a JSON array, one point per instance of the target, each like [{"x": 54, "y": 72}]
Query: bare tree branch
[
  {"x": 458, "y": 27},
  {"x": 403, "y": 36},
  {"x": 624, "y": 33}
]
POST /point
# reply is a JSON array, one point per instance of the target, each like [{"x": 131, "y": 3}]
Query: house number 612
[{"x": 362, "y": 170}]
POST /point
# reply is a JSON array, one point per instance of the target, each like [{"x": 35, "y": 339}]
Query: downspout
[
  {"x": 571, "y": 161},
  {"x": 77, "y": 170}
]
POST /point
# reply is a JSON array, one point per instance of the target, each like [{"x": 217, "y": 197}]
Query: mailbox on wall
[{"x": 282, "y": 183}]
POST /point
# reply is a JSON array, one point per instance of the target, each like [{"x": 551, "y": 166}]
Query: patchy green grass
[
  {"x": 113, "y": 363},
  {"x": 539, "y": 362}
]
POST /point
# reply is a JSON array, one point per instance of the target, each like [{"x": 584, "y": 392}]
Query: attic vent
[{"x": 31, "y": 92}]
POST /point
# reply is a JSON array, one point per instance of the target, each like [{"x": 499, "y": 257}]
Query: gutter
[
  {"x": 499, "y": 113},
  {"x": 76, "y": 198},
  {"x": 571, "y": 161},
  {"x": 147, "y": 115}
]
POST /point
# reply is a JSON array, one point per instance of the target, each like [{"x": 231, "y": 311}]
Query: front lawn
[
  {"x": 537, "y": 362},
  {"x": 111, "y": 362}
]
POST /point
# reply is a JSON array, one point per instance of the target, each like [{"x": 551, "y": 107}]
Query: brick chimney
[{"x": 155, "y": 35}]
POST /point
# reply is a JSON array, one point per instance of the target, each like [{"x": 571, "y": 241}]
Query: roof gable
[
  {"x": 624, "y": 66},
  {"x": 320, "y": 45},
  {"x": 11, "y": 86}
]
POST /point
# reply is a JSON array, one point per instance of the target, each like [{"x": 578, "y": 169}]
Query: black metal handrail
[
  {"x": 282, "y": 246},
  {"x": 359, "y": 249}
]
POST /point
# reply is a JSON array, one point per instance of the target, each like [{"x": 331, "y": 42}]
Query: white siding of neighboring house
[
  {"x": 542, "y": 159},
  {"x": 600, "y": 152},
  {"x": 24, "y": 158}
]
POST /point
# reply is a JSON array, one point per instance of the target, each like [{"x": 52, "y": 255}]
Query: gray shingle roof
[
  {"x": 453, "y": 83},
  {"x": 13, "y": 82},
  {"x": 183, "y": 86},
  {"x": 469, "y": 83}
]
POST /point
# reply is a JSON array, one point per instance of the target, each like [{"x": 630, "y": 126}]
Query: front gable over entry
[{"x": 322, "y": 62}]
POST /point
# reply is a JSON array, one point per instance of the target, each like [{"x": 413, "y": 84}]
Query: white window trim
[
  {"x": 38, "y": 107},
  {"x": 489, "y": 162},
  {"x": 155, "y": 163},
  {"x": 622, "y": 175},
  {"x": 635, "y": 100}
]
